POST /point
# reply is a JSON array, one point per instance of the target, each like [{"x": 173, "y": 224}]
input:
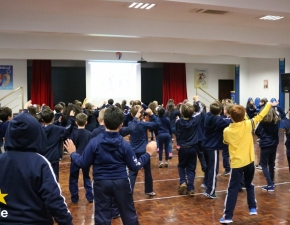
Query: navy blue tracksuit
[
  {"x": 237, "y": 175},
  {"x": 269, "y": 139},
  {"x": 109, "y": 154},
  {"x": 80, "y": 138},
  {"x": 33, "y": 194},
  {"x": 164, "y": 137},
  {"x": 212, "y": 143},
  {"x": 55, "y": 134},
  {"x": 187, "y": 139},
  {"x": 138, "y": 141}
]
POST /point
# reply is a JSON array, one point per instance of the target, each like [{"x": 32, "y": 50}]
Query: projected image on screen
[{"x": 118, "y": 81}]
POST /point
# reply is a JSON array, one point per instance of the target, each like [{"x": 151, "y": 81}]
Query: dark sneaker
[
  {"x": 268, "y": 188},
  {"x": 213, "y": 196}
]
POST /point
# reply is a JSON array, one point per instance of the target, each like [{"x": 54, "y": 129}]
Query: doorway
[{"x": 225, "y": 88}]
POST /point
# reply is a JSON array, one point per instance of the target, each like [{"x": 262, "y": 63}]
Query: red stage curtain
[
  {"x": 174, "y": 82},
  {"x": 41, "y": 87}
]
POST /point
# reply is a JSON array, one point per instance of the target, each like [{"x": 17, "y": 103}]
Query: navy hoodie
[
  {"x": 33, "y": 194},
  {"x": 187, "y": 129},
  {"x": 268, "y": 134},
  {"x": 139, "y": 137},
  {"x": 109, "y": 154},
  {"x": 55, "y": 134},
  {"x": 213, "y": 134},
  {"x": 80, "y": 138}
]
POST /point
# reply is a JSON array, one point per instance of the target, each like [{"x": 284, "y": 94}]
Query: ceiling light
[
  {"x": 269, "y": 17},
  {"x": 144, "y": 6},
  {"x": 141, "y": 5},
  {"x": 132, "y": 5},
  {"x": 137, "y": 6},
  {"x": 150, "y": 6}
]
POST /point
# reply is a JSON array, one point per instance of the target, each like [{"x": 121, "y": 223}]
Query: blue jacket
[
  {"x": 187, "y": 129},
  {"x": 286, "y": 125},
  {"x": 55, "y": 134},
  {"x": 172, "y": 117},
  {"x": 3, "y": 128},
  {"x": 139, "y": 137},
  {"x": 109, "y": 154},
  {"x": 165, "y": 126},
  {"x": 57, "y": 116},
  {"x": 92, "y": 120},
  {"x": 33, "y": 194},
  {"x": 80, "y": 138},
  {"x": 213, "y": 135},
  {"x": 201, "y": 129},
  {"x": 251, "y": 111},
  {"x": 268, "y": 134},
  {"x": 98, "y": 131}
]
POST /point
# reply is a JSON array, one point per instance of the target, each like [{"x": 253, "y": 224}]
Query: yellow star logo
[{"x": 2, "y": 200}]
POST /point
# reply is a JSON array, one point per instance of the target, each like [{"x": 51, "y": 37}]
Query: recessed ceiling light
[
  {"x": 138, "y": 5},
  {"x": 132, "y": 5},
  {"x": 269, "y": 17},
  {"x": 144, "y": 6},
  {"x": 141, "y": 5},
  {"x": 150, "y": 6}
]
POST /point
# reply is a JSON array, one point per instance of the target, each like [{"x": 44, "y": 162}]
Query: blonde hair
[
  {"x": 101, "y": 115},
  {"x": 271, "y": 117}
]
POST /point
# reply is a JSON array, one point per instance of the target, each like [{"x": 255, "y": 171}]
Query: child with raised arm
[
  {"x": 241, "y": 148},
  {"x": 268, "y": 131},
  {"x": 55, "y": 135},
  {"x": 214, "y": 125},
  {"x": 187, "y": 139},
  {"x": 138, "y": 142},
  {"x": 109, "y": 154}
]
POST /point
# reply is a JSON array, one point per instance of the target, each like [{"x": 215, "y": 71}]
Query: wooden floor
[{"x": 167, "y": 207}]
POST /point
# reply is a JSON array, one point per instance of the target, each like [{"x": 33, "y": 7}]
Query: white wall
[
  {"x": 260, "y": 70},
  {"x": 215, "y": 73},
  {"x": 19, "y": 80}
]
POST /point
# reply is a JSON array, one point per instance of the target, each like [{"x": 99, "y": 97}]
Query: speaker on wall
[{"x": 285, "y": 81}]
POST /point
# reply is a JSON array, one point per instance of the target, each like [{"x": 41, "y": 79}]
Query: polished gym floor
[{"x": 167, "y": 207}]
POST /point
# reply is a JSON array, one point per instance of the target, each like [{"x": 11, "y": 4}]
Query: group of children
[{"x": 94, "y": 137}]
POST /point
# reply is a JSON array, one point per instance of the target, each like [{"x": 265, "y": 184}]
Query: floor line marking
[{"x": 178, "y": 196}]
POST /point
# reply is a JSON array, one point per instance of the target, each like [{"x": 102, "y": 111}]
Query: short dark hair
[
  {"x": 237, "y": 113},
  {"x": 161, "y": 111},
  {"x": 5, "y": 112},
  {"x": 111, "y": 101},
  {"x": 47, "y": 115},
  {"x": 113, "y": 118},
  {"x": 62, "y": 103},
  {"x": 58, "y": 108},
  {"x": 81, "y": 119},
  {"x": 215, "y": 108},
  {"x": 187, "y": 110}
]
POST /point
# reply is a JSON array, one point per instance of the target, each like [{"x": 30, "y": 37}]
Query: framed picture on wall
[
  {"x": 6, "y": 77},
  {"x": 201, "y": 78},
  {"x": 266, "y": 84}
]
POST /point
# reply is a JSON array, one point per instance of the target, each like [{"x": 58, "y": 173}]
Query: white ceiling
[{"x": 95, "y": 29}]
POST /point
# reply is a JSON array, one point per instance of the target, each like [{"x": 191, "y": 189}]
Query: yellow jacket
[{"x": 240, "y": 139}]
